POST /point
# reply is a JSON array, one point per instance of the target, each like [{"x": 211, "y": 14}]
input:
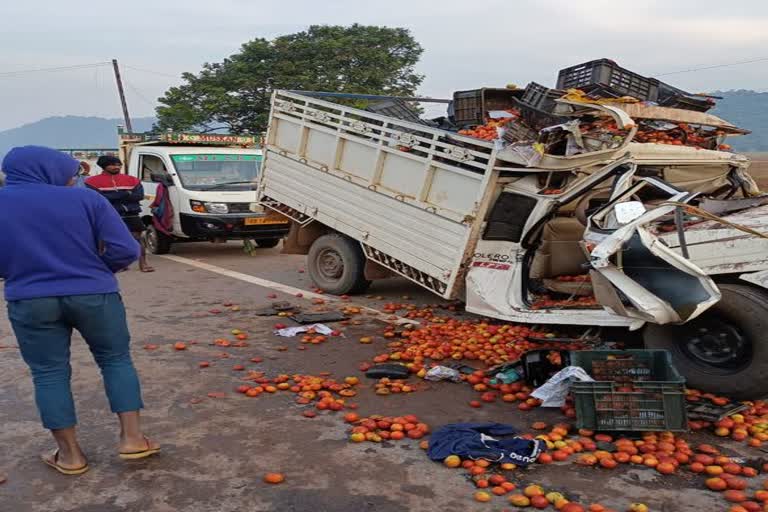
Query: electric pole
[{"x": 121, "y": 92}]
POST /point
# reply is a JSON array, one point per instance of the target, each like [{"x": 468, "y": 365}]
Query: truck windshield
[{"x": 221, "y": 172}]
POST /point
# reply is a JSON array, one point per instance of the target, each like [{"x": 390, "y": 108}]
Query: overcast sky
[{"x": 467, "y": 43}]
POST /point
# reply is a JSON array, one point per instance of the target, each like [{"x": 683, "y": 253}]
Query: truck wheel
[
  {"x": 336, "y": 265},
  {"x": 269, "y": 243},
  {"x": 157, "y": 242},
  {"x": 725, "y": 350}
]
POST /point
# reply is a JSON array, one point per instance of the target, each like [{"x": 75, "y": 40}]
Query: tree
[{"x": 235, "y": 93}]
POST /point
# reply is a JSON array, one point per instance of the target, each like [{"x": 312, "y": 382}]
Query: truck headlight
[
  {"x": 217, "y": 207},
  {"x": 203, "y": 207}
]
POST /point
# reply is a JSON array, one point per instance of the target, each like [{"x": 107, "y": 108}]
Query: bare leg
[
  {"x": 70, "y": 455},
  {"x": 132, "y": 438},
  {"x": 143, "y": 265}
]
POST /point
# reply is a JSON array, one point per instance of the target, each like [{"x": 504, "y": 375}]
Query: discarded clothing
[{"x": 475, "y": 441}]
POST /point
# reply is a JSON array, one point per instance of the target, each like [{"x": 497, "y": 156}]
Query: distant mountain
[
  {"x": 745, "y": 109},
  {"x": 69, "y": 132}
]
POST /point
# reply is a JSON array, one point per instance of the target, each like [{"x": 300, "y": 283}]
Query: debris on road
[
  {"x": 438, "y": 373},
  {"x": 289, "y": 332}
]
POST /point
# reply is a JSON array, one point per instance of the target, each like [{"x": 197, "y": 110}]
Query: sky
[{"x": 467, "y": 44}]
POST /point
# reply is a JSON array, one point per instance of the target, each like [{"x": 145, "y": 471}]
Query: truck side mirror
[{"x": 161, "y": 177}]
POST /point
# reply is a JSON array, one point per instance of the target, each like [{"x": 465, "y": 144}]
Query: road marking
[
  {"x": 279, "y": 287},
  {"x": 284, "y": 288}
]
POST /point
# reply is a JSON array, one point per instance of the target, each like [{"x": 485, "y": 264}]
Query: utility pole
[{"x": 121, "y": 92}]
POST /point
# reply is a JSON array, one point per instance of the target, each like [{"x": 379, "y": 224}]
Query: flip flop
[
  {"x": 143, "y": 454},
  {"x": 147, "y": 269},
  {"x": 54, "y": 463}
]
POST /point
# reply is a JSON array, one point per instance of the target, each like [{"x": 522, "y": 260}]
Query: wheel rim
[
  {"x": 717, "y": 344},
  {"x": 330, "y": 264},
  {"x": 152, "y": 241}
]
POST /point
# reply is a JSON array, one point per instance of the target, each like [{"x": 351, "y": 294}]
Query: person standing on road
[
  {"x": 59, "y": 251},
  {"x": 125, "y": 193}
]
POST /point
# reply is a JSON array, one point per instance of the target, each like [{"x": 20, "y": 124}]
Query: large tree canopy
[{"x": 234, "y": 94}]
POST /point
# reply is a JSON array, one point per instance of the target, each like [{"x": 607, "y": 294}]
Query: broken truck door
[{"x": 635, "y": 274}]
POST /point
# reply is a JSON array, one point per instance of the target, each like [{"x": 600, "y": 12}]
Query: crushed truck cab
[{"x": 608, "y": 232}]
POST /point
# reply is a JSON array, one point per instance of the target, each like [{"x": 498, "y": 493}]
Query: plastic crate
[
  {"x": 398, "y": 109},
  {"x": 687, "y": 103},
  {"x": 471, "y": 107},
  {"x": 540, "y": 97},
  {"x": 537, "y": 119},
  {"x": 608, "y": 73},
  {"x": 634, "y": 390}
]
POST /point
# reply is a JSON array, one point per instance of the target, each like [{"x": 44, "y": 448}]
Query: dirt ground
[
  {"x": 759, "y": 169},
  {"x": 216, "y": 452}
]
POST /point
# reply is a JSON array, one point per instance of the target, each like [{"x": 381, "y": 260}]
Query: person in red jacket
[{"x": 125, "y": 193}]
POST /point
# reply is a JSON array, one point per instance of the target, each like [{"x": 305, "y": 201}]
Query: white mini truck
[
  {"x": 613, "y": 232},
  {"x": 211, "y": 181}
]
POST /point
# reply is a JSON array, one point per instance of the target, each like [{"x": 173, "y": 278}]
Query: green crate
[{"x": 634, "y": 390}]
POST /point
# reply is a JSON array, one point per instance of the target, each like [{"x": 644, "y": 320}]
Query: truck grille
[{"x": 239, "y": 207}]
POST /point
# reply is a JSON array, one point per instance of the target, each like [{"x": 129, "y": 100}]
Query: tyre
[
  {"x": 269, "y": 243},
  {"x": 725, "y": 350},
  {"x": 157, "y": 242},
  {"x": 336, "y": 265}
]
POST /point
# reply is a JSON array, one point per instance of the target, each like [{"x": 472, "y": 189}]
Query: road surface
[{"x": 216, "y": 450}]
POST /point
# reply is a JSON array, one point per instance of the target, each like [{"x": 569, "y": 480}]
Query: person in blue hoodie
[{"x": 59, "y": 251}]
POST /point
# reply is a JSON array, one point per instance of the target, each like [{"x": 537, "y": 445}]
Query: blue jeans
[{"x": 43, "y": 328}]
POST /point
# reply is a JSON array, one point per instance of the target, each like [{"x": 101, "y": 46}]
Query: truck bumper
[{"x": 229, "y": 226}]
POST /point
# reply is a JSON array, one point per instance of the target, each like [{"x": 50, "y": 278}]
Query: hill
[
  {"x": 746, "y": 109},
  {"x": 69, "y": 132}
]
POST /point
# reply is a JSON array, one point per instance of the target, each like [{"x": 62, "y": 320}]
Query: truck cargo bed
[{"x": 409, "y": 194}]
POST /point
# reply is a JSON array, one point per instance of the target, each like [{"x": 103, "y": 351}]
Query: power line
[
  {"x": 59, "y": 68},
  {"x": 716, "y": 66},
  {"x": 139, "y": 94},
  {"x": 150, "y": 71}
]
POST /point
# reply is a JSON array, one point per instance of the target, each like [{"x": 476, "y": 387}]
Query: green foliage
[{"x": 235, "y": 93}]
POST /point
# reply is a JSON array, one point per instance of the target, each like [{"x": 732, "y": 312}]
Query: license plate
[{"x": 260, "y": 221}]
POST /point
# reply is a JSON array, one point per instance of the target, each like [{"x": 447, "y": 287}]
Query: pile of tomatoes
[
  {"x": 682, "y": 135},
  {"x": 547, "y": 302},
  {"x": 324, "y": 392},
  {"x": 377, "y": 428},
  {"x": 489, "y": 131},
  {"x": 579, "y": 278}
]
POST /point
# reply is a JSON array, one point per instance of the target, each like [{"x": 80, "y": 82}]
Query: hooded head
[{"x": 38, "y": 165}]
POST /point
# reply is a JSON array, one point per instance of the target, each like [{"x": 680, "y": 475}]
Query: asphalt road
[{"x": 216, "y": 450}]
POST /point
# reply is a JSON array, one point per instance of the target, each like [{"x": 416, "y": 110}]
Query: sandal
[
  {"x": 54, "y": 463},
  {"x": 140, "y": 454}
]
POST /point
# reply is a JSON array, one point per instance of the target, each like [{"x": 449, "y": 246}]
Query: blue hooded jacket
[{"x": 57, "y": 240}]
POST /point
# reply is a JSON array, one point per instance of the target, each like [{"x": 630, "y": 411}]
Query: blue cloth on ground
[{"x": 480, "y": 441}]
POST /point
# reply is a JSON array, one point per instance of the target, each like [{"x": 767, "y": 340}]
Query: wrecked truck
[{"x": 569, "y": 228}]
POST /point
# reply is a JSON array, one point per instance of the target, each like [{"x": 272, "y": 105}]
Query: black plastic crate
[
  {"x": 698, "y": 104},
  {"x": 398, "y": 109},
  {"x": 634, "y": 390},
  {"x": 540, "y": 97},
  {"x": 537, "y": 119},
  {"x": 472, "y": 107},
  {"x": 608, "y": 73}
]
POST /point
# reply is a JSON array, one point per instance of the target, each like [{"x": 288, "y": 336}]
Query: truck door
[{"x": 635, "y": 274}]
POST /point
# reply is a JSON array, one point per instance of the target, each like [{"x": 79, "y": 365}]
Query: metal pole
[{"x": 121, "y": 92}]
